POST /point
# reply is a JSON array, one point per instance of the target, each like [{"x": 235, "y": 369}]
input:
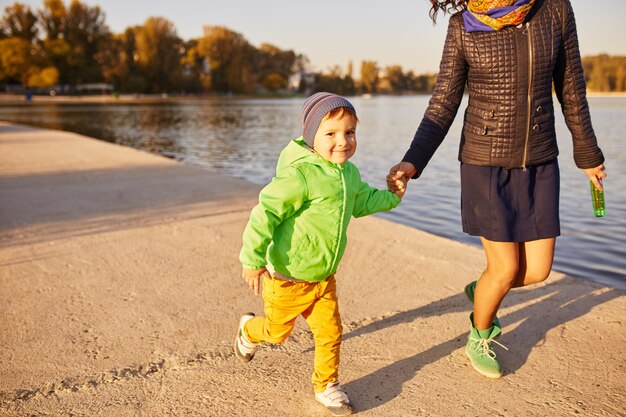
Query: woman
[{"x": 508, "y": 53}]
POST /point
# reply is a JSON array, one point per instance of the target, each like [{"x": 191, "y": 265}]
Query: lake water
[{"x": 243, "y": 137}]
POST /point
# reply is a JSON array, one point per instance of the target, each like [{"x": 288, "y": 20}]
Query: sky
[{"x": 335, "y": 32}]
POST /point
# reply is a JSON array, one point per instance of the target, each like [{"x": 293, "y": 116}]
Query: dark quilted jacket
[{"x": 509, "y": 121}]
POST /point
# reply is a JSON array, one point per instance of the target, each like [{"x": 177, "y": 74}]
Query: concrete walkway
[{"x": 120, "y": 293}]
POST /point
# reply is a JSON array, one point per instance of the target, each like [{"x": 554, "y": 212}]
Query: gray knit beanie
[{"x": 315, "y": 108}]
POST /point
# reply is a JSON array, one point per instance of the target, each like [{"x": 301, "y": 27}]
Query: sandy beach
[{"x": 120, "y": 294}]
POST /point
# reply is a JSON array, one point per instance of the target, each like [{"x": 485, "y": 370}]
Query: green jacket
[{"x": 300, "y": 223}]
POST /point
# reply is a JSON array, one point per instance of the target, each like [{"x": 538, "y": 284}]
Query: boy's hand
[
  {"x": 399, "y": 176},
  {"x": 398, "y": 186},
  {"x": 402, "y": 170},
  {"x": 252, "y": 277}
]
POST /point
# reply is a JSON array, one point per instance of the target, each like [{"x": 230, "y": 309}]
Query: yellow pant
[{"x": 317, "y": 302}]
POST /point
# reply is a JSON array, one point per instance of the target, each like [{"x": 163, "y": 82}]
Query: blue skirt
[{"x": 511, "y": 205}]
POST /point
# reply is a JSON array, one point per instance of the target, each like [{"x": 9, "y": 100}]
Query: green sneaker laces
[{"x": 483, "y": 346}]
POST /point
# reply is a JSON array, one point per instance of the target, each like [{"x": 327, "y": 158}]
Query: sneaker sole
[
  {"x": 480, "y": 371},
  {"x": 339, "y": 411},
  {"x": 243, "y": 358}
]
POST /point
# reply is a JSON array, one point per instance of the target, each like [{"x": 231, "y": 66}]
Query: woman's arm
[
  {"x": 444, "y": 102},
  {"x": 570, "y": 88}
]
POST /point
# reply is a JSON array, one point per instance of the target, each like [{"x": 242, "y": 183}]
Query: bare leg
[
  {"x": 509, "y": 265},
  {"x": 535, "y": 261},
  {"x": 496, "y": 281}
]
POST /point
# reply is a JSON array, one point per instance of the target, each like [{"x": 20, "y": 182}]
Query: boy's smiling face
[{"x": 335, "y": 139}]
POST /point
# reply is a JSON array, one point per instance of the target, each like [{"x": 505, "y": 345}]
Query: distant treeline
[
  {"x": 605, "y": 73},
  {"x": 68, "y": 48}
]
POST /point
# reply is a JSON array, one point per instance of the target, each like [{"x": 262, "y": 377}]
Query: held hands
[
  {"x": 398, "y": 186},
  {"x": 596, "y": 175},
  {"x": 252, "y": 277},
  {"x": 398, "y": 177}
]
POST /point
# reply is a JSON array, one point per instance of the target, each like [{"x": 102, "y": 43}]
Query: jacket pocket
[
  {"x": 481, "y": 121},
  {"x": 543, "y": 117},
  {"x": 483, "y": 114},
  {"x": 483, "y": 105},
  {"x": 480, "y": 126}
]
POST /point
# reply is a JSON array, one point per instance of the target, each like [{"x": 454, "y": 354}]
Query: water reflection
[{"x": 243, "y": 137}]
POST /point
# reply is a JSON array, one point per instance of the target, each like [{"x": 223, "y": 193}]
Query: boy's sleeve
[
  {"x": 281, "y": 198},
  {"x": 371, "y": 200}
]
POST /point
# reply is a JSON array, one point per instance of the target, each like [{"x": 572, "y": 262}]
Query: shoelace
[
  {"x": 336, "y": 394},
  {"x": 484, "y": 344}
]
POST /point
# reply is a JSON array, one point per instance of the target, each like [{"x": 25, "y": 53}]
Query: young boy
[{"x": 299, "y": 228}]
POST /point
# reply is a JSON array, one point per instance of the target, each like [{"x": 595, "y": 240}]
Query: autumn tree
[
  {"x": 274, "y": 66},
  {"x": 21, "y": 57},
  {"x": 423, "y": 83},
  {"x": 369, "y": 76},
  {"x": 605, "y": 73},
  {"x": 343, "y": 86},
  {"x": 333, "y": 81},
  {"x": 121, "y": 68},
  {"x": 302, "y": 63},
  {"x": 397, "y": 79},
  {"x": 19, "y": 21},
  {"x": 88, "y": 35},
  {"x": 195, "y": 66},
  {"x": 228, "y": 60},
  {"x": 16, "y": 60},
  {"x": 75, "y": 40},
  {"x": 191, "y": 64},
  {"x": 158, "y": 51}
]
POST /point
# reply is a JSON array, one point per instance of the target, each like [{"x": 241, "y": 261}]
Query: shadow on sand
[
  {"x": 561, "y": 303},
  {"x": 46, "y": 206}
]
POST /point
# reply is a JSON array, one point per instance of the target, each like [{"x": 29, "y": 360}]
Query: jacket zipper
[
  {"x": 530, "y": 83},
  {"x": 343, "y": 214}
]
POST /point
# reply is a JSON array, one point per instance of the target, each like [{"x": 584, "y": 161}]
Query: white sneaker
[
  {"x": 244, "y": 349},
  {"x": 335, "y": 399}
]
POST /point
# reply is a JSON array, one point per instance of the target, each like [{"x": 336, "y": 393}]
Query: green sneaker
[
  {"x": 469, "y": 293},
  {"x": 479, "y": 351}
]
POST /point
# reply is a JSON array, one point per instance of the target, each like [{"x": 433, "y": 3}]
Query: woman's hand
[
  {"x": 596, "y": 175},
  {"x": 402, "y": 170},
  {"x": 400, "y": 186}
]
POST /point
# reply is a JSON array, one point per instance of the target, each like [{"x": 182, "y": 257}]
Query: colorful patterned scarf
[{"x": 490, "y": 15}]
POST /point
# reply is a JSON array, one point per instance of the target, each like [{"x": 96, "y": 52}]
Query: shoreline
[
  {"x": 18, "y": 100},
  {"x": 611, "y": 282},
  {"x": 120, "y": 289}
]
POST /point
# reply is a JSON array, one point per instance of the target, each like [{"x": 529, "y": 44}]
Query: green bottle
[{"x": 597, "y": 199}]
